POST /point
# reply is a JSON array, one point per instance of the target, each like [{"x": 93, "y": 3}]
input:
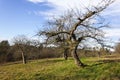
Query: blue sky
[
  {"x": 26, "y": 16},
  {"x": 16, "y": 18}
]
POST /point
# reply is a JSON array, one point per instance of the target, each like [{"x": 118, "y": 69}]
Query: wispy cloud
[
  {"x": 62, "y": 5},
  {"x": 36, "y": 1}
]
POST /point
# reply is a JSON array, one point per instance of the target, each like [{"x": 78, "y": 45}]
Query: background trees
[
  {"x": 4, "y": 51},
  {"x": 117, "y": 48},
  {"x": 32, "y": 51},
  {"x": 76, "y": 27},
  {"x": 29, "y": 49}
]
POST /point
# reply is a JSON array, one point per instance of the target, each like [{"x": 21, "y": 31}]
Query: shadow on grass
[
  {"x": 52, "y": 60},
  {"x": 40, "y": 76},
  {"x": 10, "y": 63},
  {"x": 100, "y": 62},
  {"x": 109, "y": 61},
  {"x": 55, "y": 60}
]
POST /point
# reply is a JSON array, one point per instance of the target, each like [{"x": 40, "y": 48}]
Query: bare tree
[
  {"x": 76, "y": 27},
  {"x": 22, "y": 42}
]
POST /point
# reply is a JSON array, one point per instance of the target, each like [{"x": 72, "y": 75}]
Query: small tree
[
  {"x": 22, "y": 43},
  {"x": 76, "y": 27}
]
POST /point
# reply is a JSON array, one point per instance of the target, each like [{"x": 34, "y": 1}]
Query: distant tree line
[{"x": 27, "y": 49}]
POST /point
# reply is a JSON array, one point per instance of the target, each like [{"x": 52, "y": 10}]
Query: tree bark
[
  {"x": 23, "y": 58},
  {"x": 76, "y": 58},
  {"x": 65, "y": 54}
]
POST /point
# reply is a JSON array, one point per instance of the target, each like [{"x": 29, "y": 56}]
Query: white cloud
[
  {"x": 113, "y": 32},
  {"x": 114, "y": 12},
  {"x": 36, "y": 1},
  {"x": 4, "y": 38},
  {"x": 114, "y": 9},
  {"x": 67, "y": 3},
  {"x": 61, "y": 5}
]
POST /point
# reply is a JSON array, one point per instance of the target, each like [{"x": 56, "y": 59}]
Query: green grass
[{"x": 59, "y": 69}]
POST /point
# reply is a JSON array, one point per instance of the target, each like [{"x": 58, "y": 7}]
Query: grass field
[{"x": 59, "y": 69}]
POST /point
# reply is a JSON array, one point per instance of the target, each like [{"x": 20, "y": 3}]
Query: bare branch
[{"x": 91, "y": 13}]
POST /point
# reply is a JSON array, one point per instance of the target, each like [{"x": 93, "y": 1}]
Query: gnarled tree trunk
[{"x": 76, "y": 58}]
